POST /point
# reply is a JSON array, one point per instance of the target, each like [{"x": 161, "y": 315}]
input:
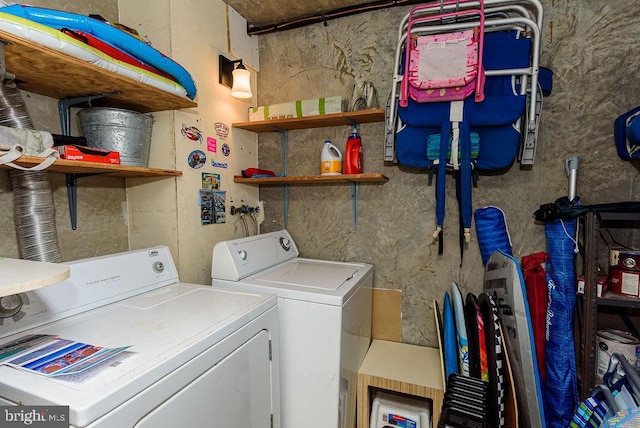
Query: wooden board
[
  {"x": 320, "y": 121},
  {"x": 313, "y": 179},
  {"x": 18, "y": 276},
  {"x": 66, "y": 166},
  {"x": 400, "y": 367},
  {"x": 47, "y": 72},
  {"x": 386, "y": 315},
  {"x": 511, "y": 401}
]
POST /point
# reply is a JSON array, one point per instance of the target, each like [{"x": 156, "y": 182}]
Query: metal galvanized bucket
[{"x": 124, "y": 131}]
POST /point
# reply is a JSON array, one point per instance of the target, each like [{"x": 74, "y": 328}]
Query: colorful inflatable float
[{"x": 99, "y": 43}]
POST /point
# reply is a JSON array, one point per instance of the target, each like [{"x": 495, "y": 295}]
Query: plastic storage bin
[{"x": 393, "y": 410}]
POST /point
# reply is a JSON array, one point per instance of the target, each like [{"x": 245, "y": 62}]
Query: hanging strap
[
  {"x": 9, "y": 154},
  {"x": 15, "y": 152},
  {"x": 466, "y": 179},
  {"x": 463, "y": 188},
  {"x": 445, "y": 135},
  {"x": 451, "y": 131}
]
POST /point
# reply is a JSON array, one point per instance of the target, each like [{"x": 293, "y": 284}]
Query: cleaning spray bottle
[
  {"x": 353, "y": 158},
  {"x": 330, "y": 160}
]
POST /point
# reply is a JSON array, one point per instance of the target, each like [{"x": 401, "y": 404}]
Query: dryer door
[{"x": 236, "y": 392}]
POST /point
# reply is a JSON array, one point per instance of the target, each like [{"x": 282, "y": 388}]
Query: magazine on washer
[{"x": 50, "y": 355}]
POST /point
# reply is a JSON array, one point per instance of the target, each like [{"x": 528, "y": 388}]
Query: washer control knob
[
  {"x": 158, "y": 267},
  {"x": 242, "y": 254},
  {"x": 10, "y": 305},
  {"x": 285, "y": 243}
]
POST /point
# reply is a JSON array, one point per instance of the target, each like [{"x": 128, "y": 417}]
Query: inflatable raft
[{"x": 133, "y": 58}]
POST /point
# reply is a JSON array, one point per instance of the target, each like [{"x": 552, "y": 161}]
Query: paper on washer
[{"x": 54, "y": 356}]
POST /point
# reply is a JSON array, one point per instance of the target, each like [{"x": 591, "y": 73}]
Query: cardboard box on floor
[{"x": 386, "y": 315}]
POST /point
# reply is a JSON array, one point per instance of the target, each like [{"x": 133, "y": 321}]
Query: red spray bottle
[{"x": 353, "y": 158}]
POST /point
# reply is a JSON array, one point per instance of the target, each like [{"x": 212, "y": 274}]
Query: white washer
[
  {"x": 325, "y": 322},
  {"x": 199, "y": 356}
]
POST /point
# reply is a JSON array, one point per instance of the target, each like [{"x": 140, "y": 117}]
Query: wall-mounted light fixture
[{"x": 236, "y": 78}]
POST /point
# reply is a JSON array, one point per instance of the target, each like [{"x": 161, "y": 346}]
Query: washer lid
[
  {"x": 318, "y": 281},
  {"x": 310, "y": 274}
]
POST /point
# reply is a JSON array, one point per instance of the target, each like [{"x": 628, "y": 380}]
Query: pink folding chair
[{"x": 443, "y": 66}]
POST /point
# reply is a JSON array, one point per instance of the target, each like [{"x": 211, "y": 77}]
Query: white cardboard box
[{"x": 299, "y": 108}]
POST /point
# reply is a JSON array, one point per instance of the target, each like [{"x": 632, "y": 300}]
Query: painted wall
[
  {"x": 587, "y": 44},
  {"x": 194, "y": 33}
]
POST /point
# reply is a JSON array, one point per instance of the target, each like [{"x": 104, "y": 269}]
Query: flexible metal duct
[{"x": 34, "y": 211}]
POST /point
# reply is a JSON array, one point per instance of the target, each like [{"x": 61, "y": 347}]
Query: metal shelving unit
[{"x": 592, "y": 225}]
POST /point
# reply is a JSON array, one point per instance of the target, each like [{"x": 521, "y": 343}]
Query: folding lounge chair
[
  {"x": 531, "y": 9},
  {"x": 495, "y": 120},
  {"x": 443, "y": 66}
]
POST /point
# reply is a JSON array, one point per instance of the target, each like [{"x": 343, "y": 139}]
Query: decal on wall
[
  {"x": 212, "y": 145},
  {"x": 191, "y": 133},
  {"x": 212, "y": 206},
  {"x": 222, "y": 130},
  {"x": 210, "y": 181},
  {"x": 197, "y": 159},
  {"x": 226, "y": 149},
  {"x": 219, "y": 164}
]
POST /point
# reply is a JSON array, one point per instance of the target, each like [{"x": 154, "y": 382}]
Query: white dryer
[
  {"x": 325, "y": 322},
  {"x": 199, "y": 356}
]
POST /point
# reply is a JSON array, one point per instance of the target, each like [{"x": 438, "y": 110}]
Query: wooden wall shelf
[
  {"x": 64, "y": 166},
  {"x": 45, "y": 71},
  {"x": 334, "y": 119},
  {"x": 283, "y": 126},
  {"x": 48, "y": 72},
  {"x": 313, "y": 179}
]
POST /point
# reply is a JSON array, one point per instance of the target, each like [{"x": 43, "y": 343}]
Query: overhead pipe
[{"x": 336, "y": 13}]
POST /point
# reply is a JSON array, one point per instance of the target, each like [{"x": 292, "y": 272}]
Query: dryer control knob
[
  {"x": 158, "y": 267},
  {"x": 285, "y": 243},
  {"x": 10, "y": 305},
  {"x": 242, "y": 254}
]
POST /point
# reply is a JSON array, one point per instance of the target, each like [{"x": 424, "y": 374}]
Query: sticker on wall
[
  {"x": 222, "y": 130},
  {"x": 197, "y": 159},
  {"x": 226, "y": 149},
  {"x": 212, "y": 145},
  {"x": 210, "y": 181},
  {"x": 219, "y": 164},
  {"x": 212, "y": 206},
  {"x": 191, "y": 133}
]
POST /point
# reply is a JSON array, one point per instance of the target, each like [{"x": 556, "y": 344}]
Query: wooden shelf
[
  {"x": 334, "y": 119},
  {"x": 48, "y": 72},
  {"x": 285, "y": 125},
  {"x": 19, "y": 276},
  {"x": 400, "y": 367},
  {"x": 65, "y": 166},
  {"x": 313, "y": 179}
]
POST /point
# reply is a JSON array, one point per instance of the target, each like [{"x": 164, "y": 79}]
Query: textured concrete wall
[
  {"x": 102, "y": 227},
  {"x": 591, "y": 47}
]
